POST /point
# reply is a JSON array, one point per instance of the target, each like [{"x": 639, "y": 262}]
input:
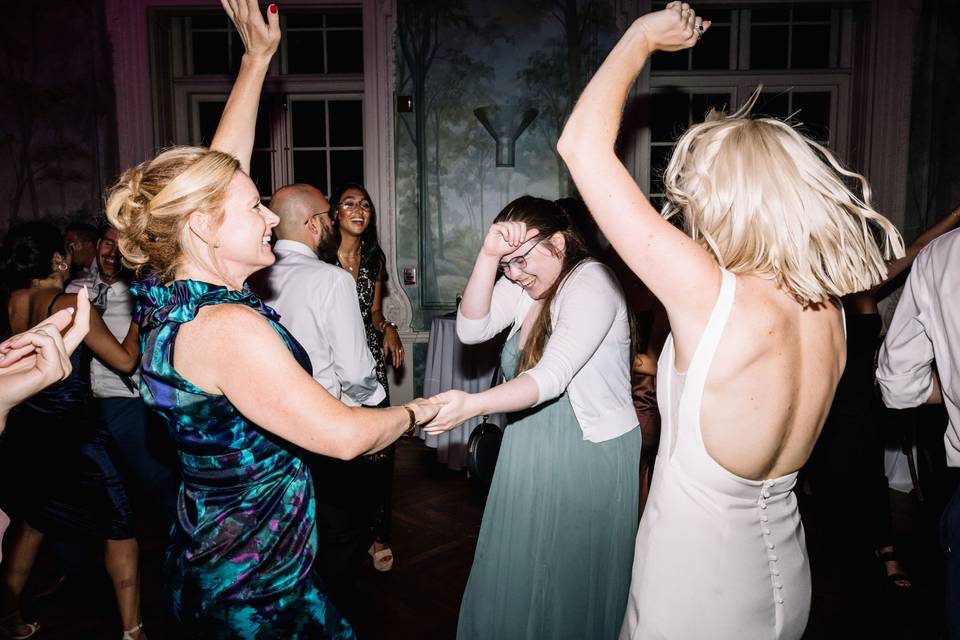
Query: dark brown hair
[{"x": 548, "y": 218}]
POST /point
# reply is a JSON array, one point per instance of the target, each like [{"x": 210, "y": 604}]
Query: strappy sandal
[
  {"x": 9, "y": 631},
  {"x": 894, "y": 580},
  {"x": 383, "y": 559},
  {"x": 128, "y": 634}
]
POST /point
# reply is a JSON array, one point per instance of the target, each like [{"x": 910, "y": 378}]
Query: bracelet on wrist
[
  {"x": 412, "y": 427},
  {"x": 387, "y": 323}
]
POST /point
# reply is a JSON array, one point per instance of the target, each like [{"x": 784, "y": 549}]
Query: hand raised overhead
[
  {"x": 674, "y": 28},
  {"x": 260, "y": 38}
]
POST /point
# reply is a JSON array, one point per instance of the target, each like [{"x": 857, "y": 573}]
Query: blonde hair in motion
[
  {"x": 764, "y": 199},
  {"x": 151, "y": 203}
]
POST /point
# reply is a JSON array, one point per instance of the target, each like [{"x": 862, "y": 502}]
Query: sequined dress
[{"x": 239, "y": 563}]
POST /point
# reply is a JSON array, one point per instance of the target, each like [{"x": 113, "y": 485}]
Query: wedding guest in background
[
  {"x": 81, "y": 243},
  {"x": 57, "y": 450},
  {"x": 358, "y": 252},
  {"x": 919, "y": 364},
  {"x": 553, "y": 555},
  {"x": 756, "y": 346},
  {"x": 317, "y": 303}
]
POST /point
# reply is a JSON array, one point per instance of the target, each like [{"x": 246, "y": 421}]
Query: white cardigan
[{"x": 587, "y": 353}]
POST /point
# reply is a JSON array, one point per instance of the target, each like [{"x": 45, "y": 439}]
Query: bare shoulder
[{"x": 217, "y": 325}]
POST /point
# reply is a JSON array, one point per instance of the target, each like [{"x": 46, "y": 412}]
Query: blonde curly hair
[
  {"x": 151, "y": 203},
  {"x": 765, "y": 199}
]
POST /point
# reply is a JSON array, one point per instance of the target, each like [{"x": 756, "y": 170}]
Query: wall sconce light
[{"x": 505, "y": 123}]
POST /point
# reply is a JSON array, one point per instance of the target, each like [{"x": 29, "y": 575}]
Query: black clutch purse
[{"x": 482, "y": 451}]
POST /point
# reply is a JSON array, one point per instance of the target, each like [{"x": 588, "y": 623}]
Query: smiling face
[
  {"x": 108, "y": 255},
  {"x": 542, "y": 265},
  {"x": 353, "y": 212},
  {"x": 244, "y": 234}
]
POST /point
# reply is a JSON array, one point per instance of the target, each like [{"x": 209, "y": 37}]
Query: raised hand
[
  {"x": 16, "y": 348},
  {"x": 505, "y": 237},
  {"x": 674, "y": 28},
  {"x": 260, "y": 38}
]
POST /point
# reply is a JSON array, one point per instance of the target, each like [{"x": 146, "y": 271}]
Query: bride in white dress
[{"x": 773, "y": 237}]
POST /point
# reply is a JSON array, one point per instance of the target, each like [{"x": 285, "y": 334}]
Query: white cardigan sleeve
[
  {"x": 504, "y": 303},
  {"x": 585, "y": 309}
]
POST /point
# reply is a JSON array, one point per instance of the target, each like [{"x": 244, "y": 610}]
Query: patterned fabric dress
[{"x": 240, "y": 560}]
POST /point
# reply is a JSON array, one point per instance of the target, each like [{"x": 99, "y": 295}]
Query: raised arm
[
  {"x": 123, "y": 356},
  {"x": 677, "y": 270},
  {"x": 940, "y": 227},
  {"x": 254, "y": 377},
  {"x": 488, "y": 307},
  {"x": 585, "y": 310},
  {"x": 238, "y": 123}
]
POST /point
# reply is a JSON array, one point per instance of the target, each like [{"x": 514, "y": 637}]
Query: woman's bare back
[{"x": 772, "y": 381}]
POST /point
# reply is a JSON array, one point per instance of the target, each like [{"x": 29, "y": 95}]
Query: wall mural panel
[{"x": 519, "y": 67}]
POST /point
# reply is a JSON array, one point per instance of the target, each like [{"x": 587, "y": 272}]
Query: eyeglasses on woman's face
[
  {"x": 352, "y": 203},
  {"x": 518, "y": 262}
]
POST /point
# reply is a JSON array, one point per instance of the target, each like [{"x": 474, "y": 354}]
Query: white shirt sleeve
[
  {"x": 352, "y": 361},
  {"x": 584, "y": 311},
  {"x": 905, "y": 365},
  {"x": 503, "y": 312}
]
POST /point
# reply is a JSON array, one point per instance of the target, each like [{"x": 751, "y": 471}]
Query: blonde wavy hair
[
  {"x": 151, "y": 203},
  {"x": 764, "y": 199}
]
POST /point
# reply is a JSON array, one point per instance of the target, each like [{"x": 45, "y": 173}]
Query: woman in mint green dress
[
  {"x": 233, "y": 385},
  {"x": 555, "y": 549}
]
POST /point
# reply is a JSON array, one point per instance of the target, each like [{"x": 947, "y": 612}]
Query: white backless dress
[{"x": 717, "y": 556}]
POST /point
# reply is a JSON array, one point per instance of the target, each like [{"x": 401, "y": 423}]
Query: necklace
[{"x": 343, "y": 261}]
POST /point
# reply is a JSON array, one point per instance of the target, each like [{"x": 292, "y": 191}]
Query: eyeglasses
[
  {"x": 319, "y": 213},
  {"x": 352, "y": 204},
  {"x": 518, "y": 262}
]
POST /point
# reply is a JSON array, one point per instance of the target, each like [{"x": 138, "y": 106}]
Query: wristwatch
[{"x": 387, "y": 323}]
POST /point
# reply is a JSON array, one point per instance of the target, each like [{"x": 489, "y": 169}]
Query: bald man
[{"x": 317, "y": 302}]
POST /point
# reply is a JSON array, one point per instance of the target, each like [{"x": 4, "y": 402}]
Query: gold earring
[{"x": 216, "y": 244}]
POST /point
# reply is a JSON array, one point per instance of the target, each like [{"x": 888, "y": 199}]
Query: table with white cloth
[{"x": 454, "y": 365}]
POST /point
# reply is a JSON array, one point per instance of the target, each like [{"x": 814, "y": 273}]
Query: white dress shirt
[
  {"x": 118, "y": 314},
  {"x": 926, "y": 330},
  {"x": 588, "y": 351},
  {"x": 318, "y": 304}
]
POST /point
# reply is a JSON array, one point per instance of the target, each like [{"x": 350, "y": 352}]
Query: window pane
[
  {"x": 776, "y": 105},
  {"x": 209, "y": 22},
  {"x": 210, "y": 53},
  {"x": 672, "y": 61},
  {"x": 768, "y": 47},
  {"x": 345, "y": 18},
  {"x": 346, "y": 123},
  {"x": 310, "y": 167},
  {"x": 811, "y": 47},
  {"x": 261, "y": 136},
  {"x": 346, "y": 166},
  {"x": 300, "y": 19},
  {"x": 304, "y": 52},
  {"x": 345, "y": 51},
  {"x": 309, "y": 123},
  {"x": 769, "y": 15},
  {"x": 260, "y": 172},
  {"x": 701, "y": 103},
  {"x": 208, "y": 115},
  {"x": 713, "y": 50},
  {"x": 814, "y": 113},
  {"x": 715, "y": 15},
  {"x": 818, "y": 14},
  {"x": 669, "y": 117},
  {"x": 659, "y": 157}
]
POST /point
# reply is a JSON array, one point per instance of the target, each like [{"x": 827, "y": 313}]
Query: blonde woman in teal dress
[
  {"x": 234, "y": 386},
  {"x": 556, "y": 542}
]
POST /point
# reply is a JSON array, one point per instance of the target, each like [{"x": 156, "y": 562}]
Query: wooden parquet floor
[{"x": 436, "y": 520}]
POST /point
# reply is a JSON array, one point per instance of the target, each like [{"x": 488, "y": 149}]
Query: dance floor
[{"x": 436, "y": 518}]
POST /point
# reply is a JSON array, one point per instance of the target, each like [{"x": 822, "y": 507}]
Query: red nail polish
[{"x": 273, "y": 8}]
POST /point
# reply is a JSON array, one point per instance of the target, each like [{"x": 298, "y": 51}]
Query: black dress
[{"x": 59, "y": 472}]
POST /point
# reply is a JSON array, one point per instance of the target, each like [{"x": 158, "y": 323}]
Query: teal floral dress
[{"x": 239, "y": 563}]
